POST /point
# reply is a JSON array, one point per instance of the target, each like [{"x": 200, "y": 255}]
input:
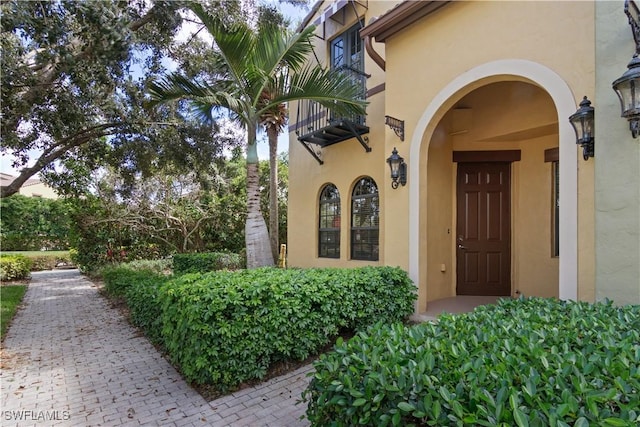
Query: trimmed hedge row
[
  {"x": 205, "y": 262},
  {"x": 526, "y": 362},
  {"x": 14, "y": 267},
  {"x": 225, "y": 328},
  {"x": 49, "y": 262},
  {"x": 119, "y": 278}
]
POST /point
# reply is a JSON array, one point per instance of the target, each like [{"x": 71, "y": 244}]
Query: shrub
[
  {"x": 144, "y": 306},
  {"x": 49, "y": 261},
  {"x": 526, "y": 362},
  {"x": 117, "y": 279},
  {"x": 14, "y": 267},
  {"x": 205, "y": 262},
  {"x": 227, "y": 327}
]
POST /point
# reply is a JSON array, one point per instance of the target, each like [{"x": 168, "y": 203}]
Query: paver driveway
[{"x": 71, "y": 360}]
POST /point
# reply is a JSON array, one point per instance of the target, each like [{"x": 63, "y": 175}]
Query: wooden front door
[{"x": 483, "y": 236}]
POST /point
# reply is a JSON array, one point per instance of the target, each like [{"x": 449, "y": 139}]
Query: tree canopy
[{"x": 73, "y": 83}]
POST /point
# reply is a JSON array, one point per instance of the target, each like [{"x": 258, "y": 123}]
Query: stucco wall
[
  {"x": 422, "y": 60},
  {"x": 617, "y": 158},
  {"x": 343, "y": 164}
]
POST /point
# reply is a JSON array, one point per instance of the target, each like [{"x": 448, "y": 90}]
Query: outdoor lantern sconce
[
  {"x": 398, "y": 169},
  {"x": 582, "y": 122},
  {"x": 627, "y": 87}
]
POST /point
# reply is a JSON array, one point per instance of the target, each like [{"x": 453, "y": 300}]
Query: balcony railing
[{"x": 319, "y": 126}]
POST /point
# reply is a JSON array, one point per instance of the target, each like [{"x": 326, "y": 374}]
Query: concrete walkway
[{"x": 71, "y": 360}]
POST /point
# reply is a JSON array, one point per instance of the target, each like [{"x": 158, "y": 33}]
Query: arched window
[
  {"x": 329, "y": 227},
  {"x": 365, "y": 209}
]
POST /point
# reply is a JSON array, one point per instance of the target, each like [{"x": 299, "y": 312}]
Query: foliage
[
  {"x": 227, "y": 327},
  {"x": 138, "y": 282},
  {"x": 255, "y": 72},
  {"x": 145, "y": 310},
  {"x": 44, "y": 260},
  {"x": 47, "y": 261},
  {"x": 34, "y": 223},
  {"x": 164, "y": 215},
  {"x": 526, "y": 362},
  {"x": 14, "y": 267},
  {"x": 10, "y": 299},
  {"x": 119, "y": 278},
  {"x": 205, "y": 262}
]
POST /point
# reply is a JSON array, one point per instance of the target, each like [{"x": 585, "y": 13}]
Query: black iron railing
[{"x": 313, "y": 117}]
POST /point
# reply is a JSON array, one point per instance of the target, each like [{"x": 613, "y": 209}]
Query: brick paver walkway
[{"x": 71, "y": 360}]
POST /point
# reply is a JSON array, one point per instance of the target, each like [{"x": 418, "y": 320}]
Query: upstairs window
[
  {"x": 346, "y": 50},
  {"x": 365, "y": 210},
  {"x": 329, "y": 228}
]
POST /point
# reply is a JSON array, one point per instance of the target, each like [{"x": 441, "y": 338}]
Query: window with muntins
[
  {"x": 329, "y": 227},
  {"x": 346, "y": 50},
  {"x": 365, "y": 212}
]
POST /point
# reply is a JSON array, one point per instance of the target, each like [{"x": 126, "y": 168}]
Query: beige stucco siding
[
  {"x": 548, "y": 50},
  {"x": 617, "y": 188}
]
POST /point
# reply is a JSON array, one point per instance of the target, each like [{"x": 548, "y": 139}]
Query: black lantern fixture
[
  {"x": 398, "y": 169},
  {"x": 627, "y": 87},
  {"x": 582, "y": 122}
]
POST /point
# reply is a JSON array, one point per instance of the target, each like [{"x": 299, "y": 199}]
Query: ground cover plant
[
  {"x": 10, "y": 299},
  {"x": 228, "y": 327},
  {"x": 525, "y": 362}
]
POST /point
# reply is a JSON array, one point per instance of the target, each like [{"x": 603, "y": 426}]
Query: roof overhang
[{"x": 400, "y": 17}]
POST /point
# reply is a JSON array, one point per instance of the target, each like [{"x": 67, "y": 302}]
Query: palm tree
[
  {"x": 274, "y": 121},
  {"x": 251, "y": 63}
]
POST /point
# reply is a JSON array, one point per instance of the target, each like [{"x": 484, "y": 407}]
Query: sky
[{"x": 295, "y": 14}]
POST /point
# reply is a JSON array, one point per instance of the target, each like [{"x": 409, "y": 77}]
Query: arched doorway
[{"x": 512, "y": 78}]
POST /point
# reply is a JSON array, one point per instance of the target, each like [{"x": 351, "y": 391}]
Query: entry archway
[{"x": 497, "y": 71}]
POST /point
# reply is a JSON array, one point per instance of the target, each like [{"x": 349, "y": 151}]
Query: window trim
[{"x": 552, "y": 155}]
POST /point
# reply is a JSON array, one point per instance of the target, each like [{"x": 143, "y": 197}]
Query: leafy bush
[
  {"x": 14, "y": 267},
  {"x": 48, "y": 261},
  {"x": 145, "y": 310},
  {"x": 118, "y": 279},
  {"x": 526, "y": 362},
  {"x": 205, "y": 262},
  {"x": 227, "y": 327},
  {"x": 34, "y": 223}
]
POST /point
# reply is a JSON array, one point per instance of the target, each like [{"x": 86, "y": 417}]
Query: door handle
[{"x": 461, "y": 246}]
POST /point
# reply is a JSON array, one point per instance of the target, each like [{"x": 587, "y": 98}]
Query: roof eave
[{"x": 400, "y": 17}]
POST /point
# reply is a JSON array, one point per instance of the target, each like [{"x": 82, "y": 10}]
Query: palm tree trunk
[
  {"x": 274, "y": 217},
  {"x": 256, "y": 234}
]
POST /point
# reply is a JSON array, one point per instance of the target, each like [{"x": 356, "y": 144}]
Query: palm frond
[
  {"x": 236, "y": 43},
  {"x": 328, "y": 87}
]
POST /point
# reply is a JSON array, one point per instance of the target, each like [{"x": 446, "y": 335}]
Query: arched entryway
[{"x": 483, "y": 110}]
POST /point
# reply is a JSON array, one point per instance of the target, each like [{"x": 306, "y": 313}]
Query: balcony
[{"x": 317, "y": 127}]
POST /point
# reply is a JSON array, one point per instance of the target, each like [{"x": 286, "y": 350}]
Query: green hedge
[
  {"x": 227, "y": 327},
  {"x": 205, "y": 262},
  {"x": 145, "y": 310},
  {"x": 139, "y": 283},
  {"x": 14, "y": 267},
  {"x": 49, "y": 262},
  {"x": 526, "y": 362},
  {"x": 119, "y": 278}
]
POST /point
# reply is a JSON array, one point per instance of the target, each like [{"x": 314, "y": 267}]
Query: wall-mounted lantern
[
  {"x": 627, "y": 87},
  {"x": 398, "y": 169},
  {"x": 583, "y": 124}
]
